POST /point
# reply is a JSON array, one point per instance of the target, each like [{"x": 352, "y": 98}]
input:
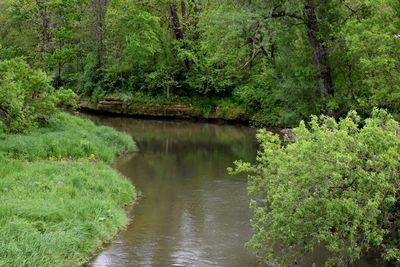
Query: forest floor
[{"x": 60, "y": 199}]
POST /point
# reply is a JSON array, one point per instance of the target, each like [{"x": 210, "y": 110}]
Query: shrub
[
  {"x": 229, "y": 110},
  {"x": 334, "y": 185},
  {"x": 27, "y": 99}
]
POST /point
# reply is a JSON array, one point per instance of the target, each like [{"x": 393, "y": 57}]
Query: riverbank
[
  {"x": 60, "y": 198},
  {"x": 198, "y": 109}
]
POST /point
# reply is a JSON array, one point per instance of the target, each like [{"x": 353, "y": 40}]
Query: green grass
[
  {"x": 58, "y": 202},
  {"x": 67, "y": 136}
]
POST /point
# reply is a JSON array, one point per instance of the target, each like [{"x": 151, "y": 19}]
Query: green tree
[
  {"x": 131, "y": 54},
  {"x": 367, "y": 56}
]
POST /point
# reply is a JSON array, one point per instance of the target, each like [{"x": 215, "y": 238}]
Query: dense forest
[
  {"x": 329, "y": 183},
  {"x": 280, "y": 61}
]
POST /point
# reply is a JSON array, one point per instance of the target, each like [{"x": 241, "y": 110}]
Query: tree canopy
[{"x": 280, "y": 60}]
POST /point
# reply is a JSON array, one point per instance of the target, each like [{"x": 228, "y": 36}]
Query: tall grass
[
  {"x": 67, "y": 137},
  {"x": 57, "y": 203}
]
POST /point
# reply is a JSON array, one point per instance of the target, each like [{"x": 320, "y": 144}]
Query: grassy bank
[{"x": 60, "y": 199}]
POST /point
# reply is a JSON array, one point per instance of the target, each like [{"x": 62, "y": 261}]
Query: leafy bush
[
  {"x": 161, "y": 81},
  {"x": 334, "y": 185},
  {"x": 228, "y": 109},
  {"x": 26, "y": 97},
  {"x": 7, "y": 53}
]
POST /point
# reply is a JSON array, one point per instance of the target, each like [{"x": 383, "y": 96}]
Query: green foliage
[
  {"x": 136, "y": 47},
  {"x": 229, "y": 110},
  {"x": 372, "y": 53},
  {"x": 26, "y": 98},
  {"x": 6, "y": 53},
  {"x": 89, "y": 82},
  {"x": 131, "y": 55},
  {"x": 220, "y": 53},
  {"x": 257, "y": 52},
  {"x": 161, "y": 81},
  {"x": 66, "y": 137},
  {"x": 271, "y": 105},
  {"x": 332, "y": 185}
]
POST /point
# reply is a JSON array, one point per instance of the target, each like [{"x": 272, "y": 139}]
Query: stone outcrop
[{"x": 114, "y": 105}]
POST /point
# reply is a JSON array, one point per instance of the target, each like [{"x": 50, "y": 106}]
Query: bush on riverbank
[
  {"x": 59, "y": 209},
  {"x": 27, "y": 100},
  {"x": 335, "y": 185}
]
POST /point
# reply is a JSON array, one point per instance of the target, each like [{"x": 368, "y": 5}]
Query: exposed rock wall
[{"x": 174, "y": 111}]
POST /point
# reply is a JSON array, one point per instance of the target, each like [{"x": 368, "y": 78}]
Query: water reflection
[{"x": 192, "y": 212}]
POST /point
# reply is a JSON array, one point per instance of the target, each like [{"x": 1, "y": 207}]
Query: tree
[
  {"x": 130, "y": 55},
  {"x": 184, "y": 26},
  {"x": 306, "y": 12},
  {"x": 99, "y": 8},
  {"x": 48, "y": 33},
  {"x": 334, "y": 185},
  {"x": 367, "y": 72}
]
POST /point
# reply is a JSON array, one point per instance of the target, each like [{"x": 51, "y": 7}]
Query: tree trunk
[
  {"x": 185, "y": 15},
  {"x": 178, "y": 29},
  {"x": 197, "y": 8},
  {"x": 44, "y": 27},
  {"x": 197, "y": 11},
  {"x": 320, "y": 53},
  {"x": 99, "y": 7},
  {"x": 186, "y": 24},
  {"x": 174, "y": 20}
]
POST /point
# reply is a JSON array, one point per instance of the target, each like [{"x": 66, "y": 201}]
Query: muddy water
[{"x": 191, "y": 213}]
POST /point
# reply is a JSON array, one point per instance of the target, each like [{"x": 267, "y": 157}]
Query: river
[{"x": 191, "y": 211}]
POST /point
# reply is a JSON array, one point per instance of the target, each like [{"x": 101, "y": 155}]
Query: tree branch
[
  {"x": 285, "y": 14},
  {"x": 254, "y": 42}
]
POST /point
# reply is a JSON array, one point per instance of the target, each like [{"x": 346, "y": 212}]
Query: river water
[{"x": 191, "y": 212}]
